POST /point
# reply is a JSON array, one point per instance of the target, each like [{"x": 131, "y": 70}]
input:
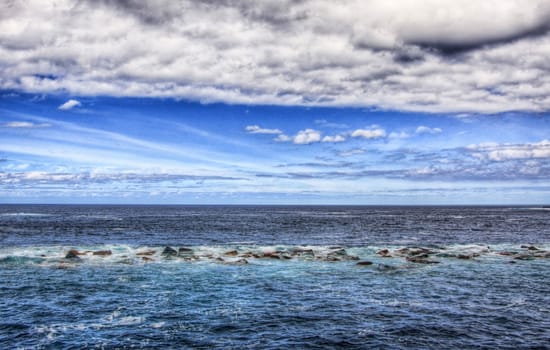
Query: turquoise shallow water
[{"x": 306, "y": 294}]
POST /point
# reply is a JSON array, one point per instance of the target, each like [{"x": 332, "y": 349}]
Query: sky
[{"x": 275, "y": 102}]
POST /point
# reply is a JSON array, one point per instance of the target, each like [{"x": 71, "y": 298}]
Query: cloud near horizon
[{"x": 446, "y": 56}]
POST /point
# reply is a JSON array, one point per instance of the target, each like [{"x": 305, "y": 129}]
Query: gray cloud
[{"x": 391, "y": 55}]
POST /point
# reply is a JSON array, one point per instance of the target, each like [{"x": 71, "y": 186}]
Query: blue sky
[{"x": 238, "y": 103}]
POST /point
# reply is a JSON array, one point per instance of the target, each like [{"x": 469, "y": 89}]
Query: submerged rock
[
  {"x": 168, "y": 251},
  {"x": 147, "y": 259},
  {"x": 102, "y": 252}
]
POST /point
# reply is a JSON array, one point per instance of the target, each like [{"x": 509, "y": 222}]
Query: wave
[
  {"x": 24, "y": 214},
  {"x": 244, "y": 254}
]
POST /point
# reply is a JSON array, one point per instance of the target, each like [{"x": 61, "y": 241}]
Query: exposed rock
[
  {"x": 524, "y": 257},
  {"x": 249, "y": 255},
  {"x": 271, "y": 255},
  {"x": 146, "y": 259},
  {"x": 168, "y": 251},
  {"x": 231, "y": 253},
  {"x": 364, "y": 263},
  {"x": 419, "y": 252},
  {"x": 506, "y": 253},
  {"x": 466, "y": 256},
  {"x": 384, "y": 253},
  {"x": 73, "y": 254},
  {"x": 340, "y": 252},
  {"x": 339, "y": 255},
  {"x": 238, "y": 262},
  {"x": 421, "y": 260},
  {"x": 302, "y": 252},
  {"x": 185, "y": 250},
  {"x": 103, "y": 252},
  {"x": 147, "y": 253},
  {"x": 529, "y": 247}
]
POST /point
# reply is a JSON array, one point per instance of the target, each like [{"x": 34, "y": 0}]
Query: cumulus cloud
[
  {"x": 307, "y": 136},
  {"x": 427, "y": 130},
  {"x": 256, "y": 129},
  {"x": 69, "y": 105},
  {"x": 25, "y": 125},
  {"x": 374, "y": 133},
  {"x": 456, "y": 56},
  {"x": 334, "y": 139},
  {"x": 282, "y": 138}
]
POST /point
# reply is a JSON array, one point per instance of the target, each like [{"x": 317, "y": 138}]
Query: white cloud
[
  {"x": 398, "y": 135},
  {"x": 427, "y": 130},
  {"x": 256, "y": 129},
  {"x": 24, "y": 125},
  {"x": 307, "y": 136},
  {"x": 504, "y": 152},
  {"x": 393, "y": 55},
  {"x": 351, "y": 152},
  {"x": 69, "y": 105},
  {"x": 334, "y": 139},
  {"x": 282, "y": 138},
  {"x": 369, "y": 133}
]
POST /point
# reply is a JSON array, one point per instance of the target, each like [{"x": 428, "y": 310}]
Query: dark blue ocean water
[{"x": 274, "y": 277}]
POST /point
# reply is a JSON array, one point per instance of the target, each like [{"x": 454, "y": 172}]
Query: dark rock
[
  {"x": 272, "y": 255},
  {"x": 507, "y": 253},
  {"x": 185, "y": 250},
  {"x": 340, "y": 252},
  {"x": 249, "y": 255},
  {"x": 421, "y": 260},
  {"x": 303, "y": 252},
  {"x": 529, "y": 247},
  {"x": 103, "y": 252},
  {"x": 231, "y": 253},
  {"x": 466, "y": 256},
  {"x": 146, "y": 259},
  {"x": 73, "y": 254},
  {"x": 168, "y": 251},
  {"x": 384, "y": 252},
  {"x": 364, "y": 263},
  {"x": 147, "y": 252},
  {"x": 238, "y": 262},
  {"x": 524, "y": 257},
  {"x": 419, "y": 252}
]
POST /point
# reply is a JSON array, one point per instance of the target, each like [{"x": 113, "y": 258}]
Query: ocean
[{"x": 272, "y": 277}]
